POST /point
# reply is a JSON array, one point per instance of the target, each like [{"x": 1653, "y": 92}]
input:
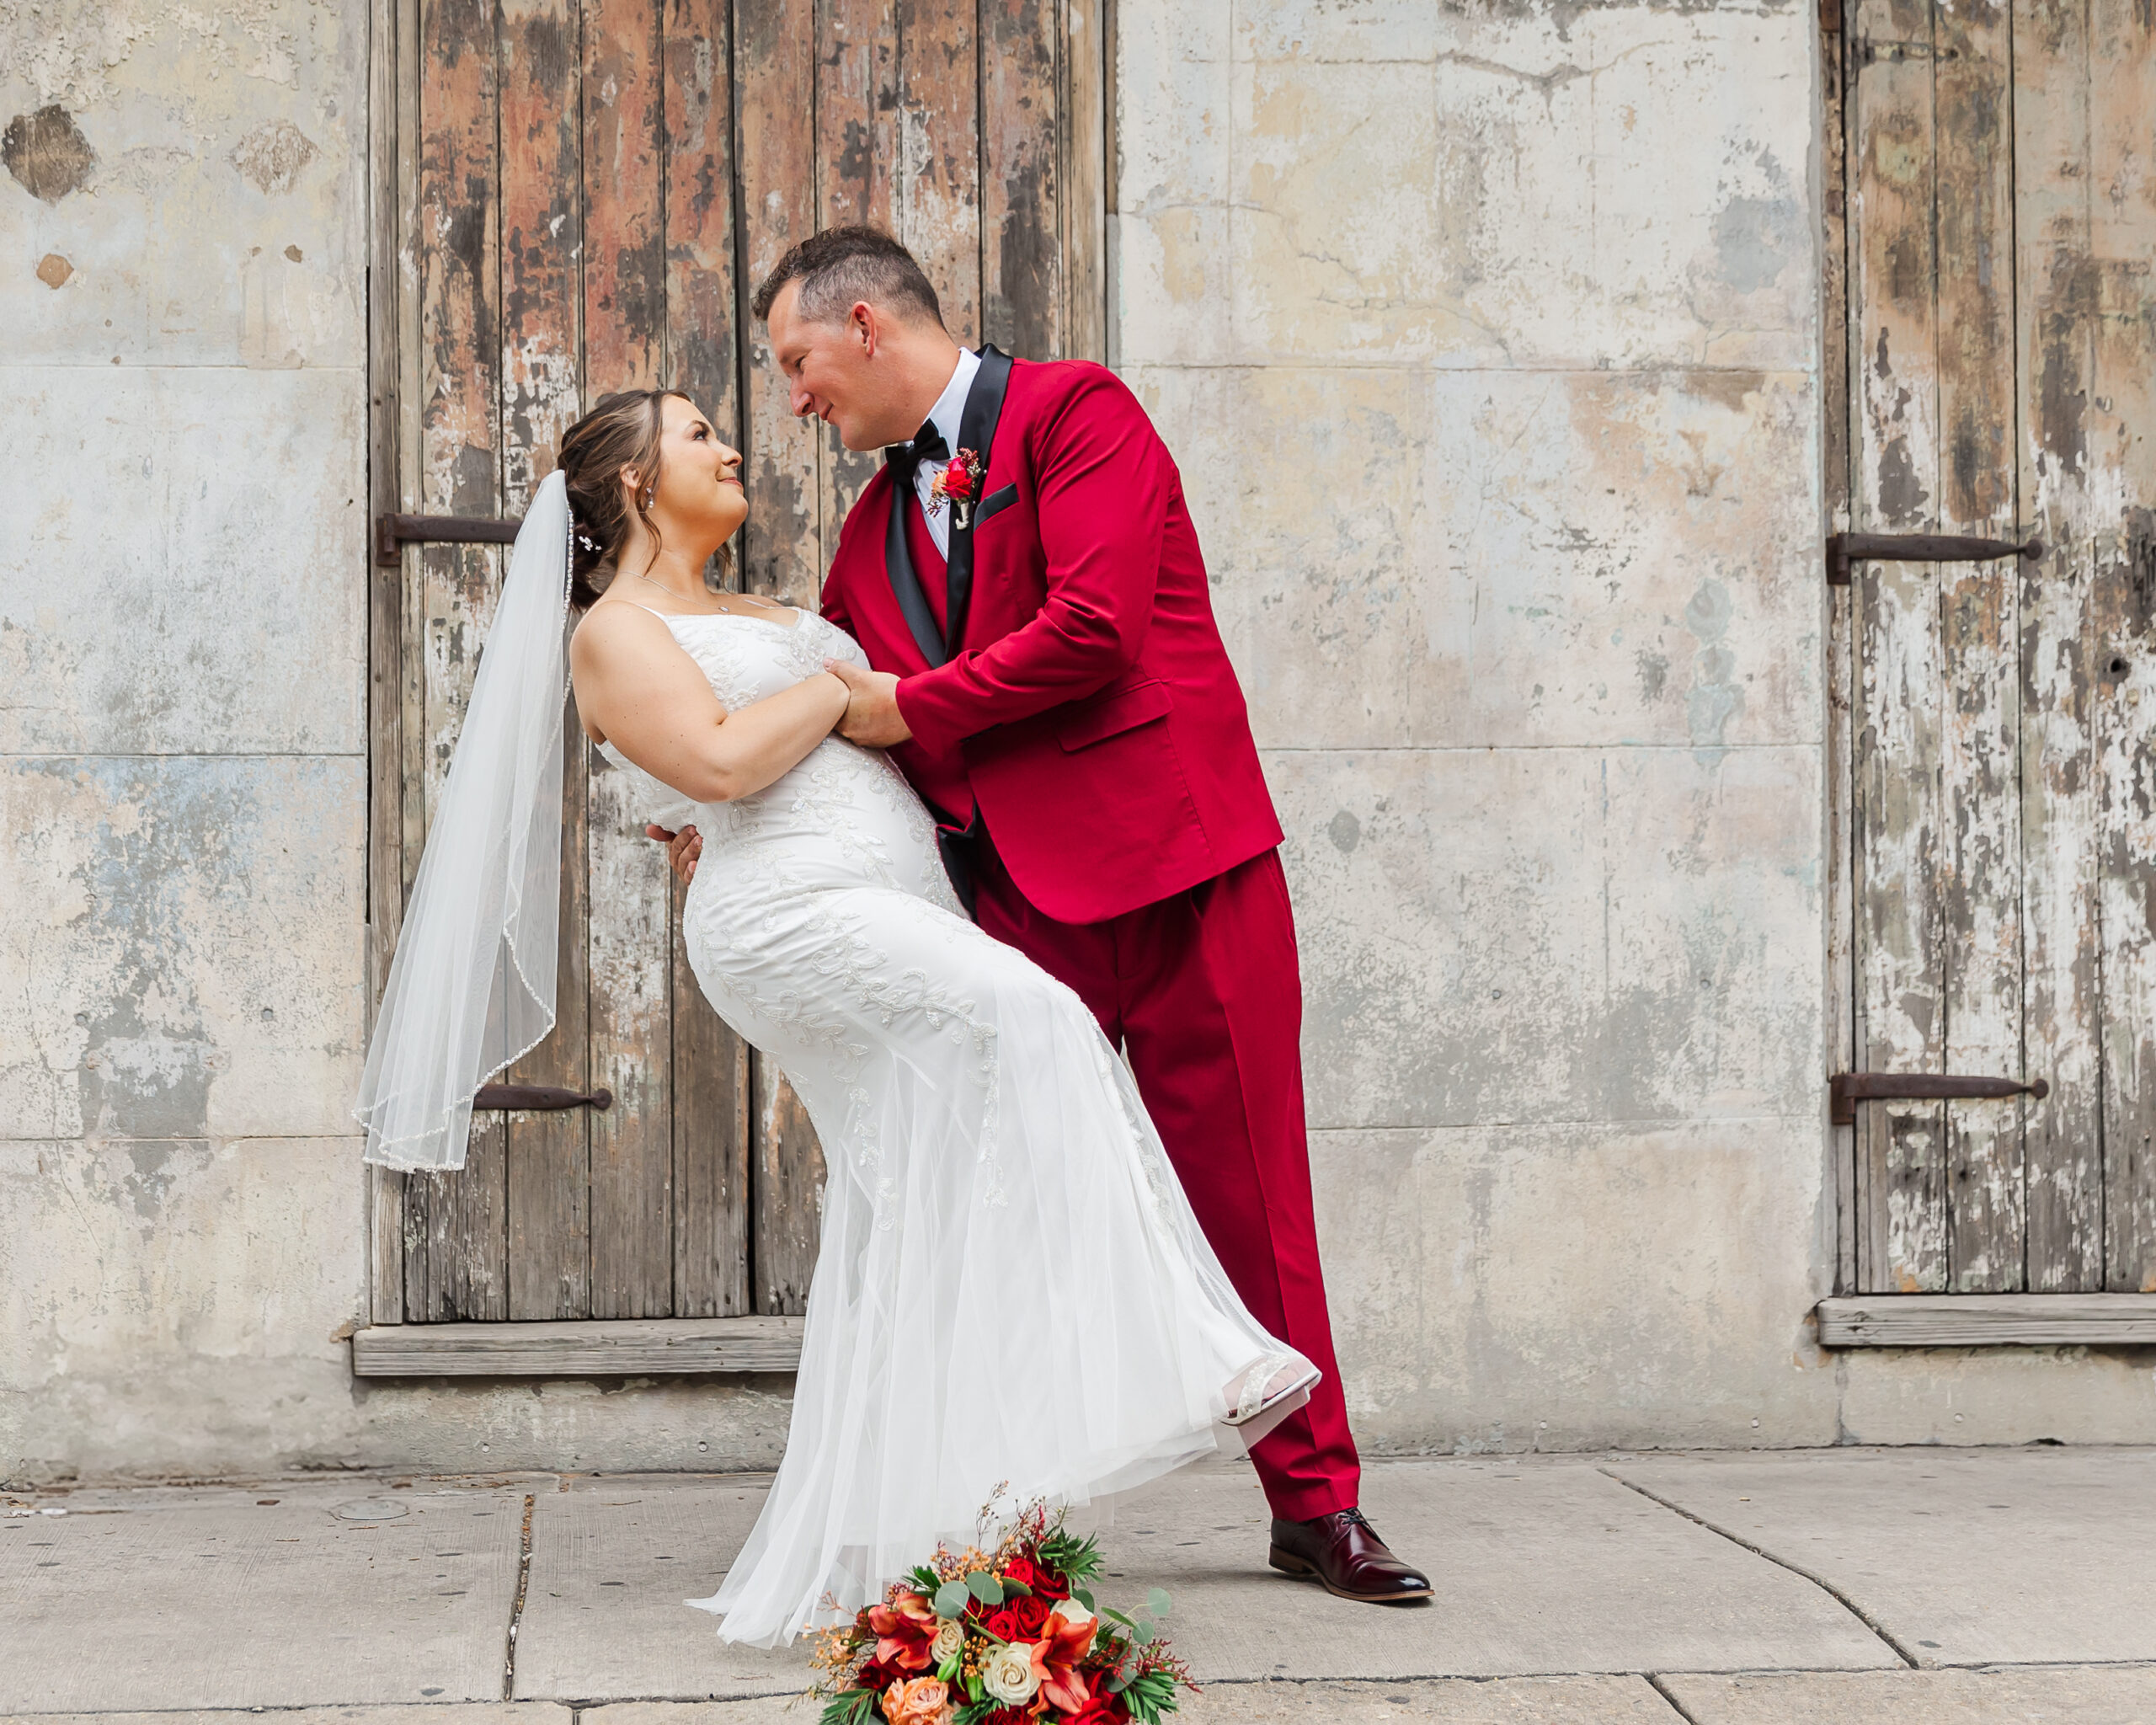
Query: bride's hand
[{"x": 872, "y": 717}]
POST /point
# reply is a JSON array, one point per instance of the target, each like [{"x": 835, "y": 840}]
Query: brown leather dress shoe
[{"x": 1344, "y": 1552}]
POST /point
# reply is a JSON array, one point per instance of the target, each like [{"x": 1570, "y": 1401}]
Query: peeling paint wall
[
  {"x": 183, "y": 774},
  {"x": 1487, "y": 338}
]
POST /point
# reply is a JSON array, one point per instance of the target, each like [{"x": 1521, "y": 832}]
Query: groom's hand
[
  {"x": 872, "y": 717},
  {"x": 682, "y": 849}
]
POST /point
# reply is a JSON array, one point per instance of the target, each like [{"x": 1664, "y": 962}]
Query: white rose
[
  {"x": 1072, "y": 1612},
  {"x": 1007, "y": 1673},
  {"x": 950, "y": 1640}
]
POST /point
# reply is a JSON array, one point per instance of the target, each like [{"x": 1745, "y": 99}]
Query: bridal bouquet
[{"x": 999, "y": 1637}]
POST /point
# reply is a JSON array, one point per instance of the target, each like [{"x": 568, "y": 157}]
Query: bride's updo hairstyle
[{"x": 622, "y": 431}]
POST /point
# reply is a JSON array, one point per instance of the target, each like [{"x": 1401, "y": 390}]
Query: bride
[{"x": 1011, "y": 1290}]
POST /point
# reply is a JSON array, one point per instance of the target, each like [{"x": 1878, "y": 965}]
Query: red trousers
[{"x": 1204, "y": 991}]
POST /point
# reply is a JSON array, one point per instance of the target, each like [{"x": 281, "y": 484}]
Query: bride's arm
[{"x": 637, "y": 688}]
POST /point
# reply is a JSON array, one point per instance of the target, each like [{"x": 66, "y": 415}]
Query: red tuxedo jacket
[{"x": 1090, "y": 713}]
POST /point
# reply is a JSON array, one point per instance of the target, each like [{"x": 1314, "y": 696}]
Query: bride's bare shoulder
[{"x": 614, "y": 628}]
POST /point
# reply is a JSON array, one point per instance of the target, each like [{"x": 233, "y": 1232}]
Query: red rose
[
  {"x": 1030, "y": 1611},
  {"x": 1050, "y": 1586},
  {"x": 1020, "y": 1570},
  {"x": 1002, "y": 1623},
  {"x": 1100, "y": 1710}
]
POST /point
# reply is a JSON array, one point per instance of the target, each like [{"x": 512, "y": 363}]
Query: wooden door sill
[
  {"x": 1987, "y": 1321},
  {"x": 598, "y": 1348}
]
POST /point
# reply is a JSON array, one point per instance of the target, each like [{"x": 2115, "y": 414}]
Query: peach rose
[{"x": 923, "y": 1700}]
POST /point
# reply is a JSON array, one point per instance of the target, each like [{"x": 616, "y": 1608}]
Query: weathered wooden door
[
  {"x": 576, "y": 197},
  {"x": 1996, "y": 370}
]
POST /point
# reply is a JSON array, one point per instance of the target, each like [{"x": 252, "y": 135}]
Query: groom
[{"x": 1024, "y": 577}]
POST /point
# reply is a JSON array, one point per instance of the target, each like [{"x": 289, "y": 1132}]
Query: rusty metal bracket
[
  {"x": 1847, "y": 1089},
  {"x": 393, "y": 532},
  {"x": 539, "y": 1096},
  {"x": 1843, "y": 549}
]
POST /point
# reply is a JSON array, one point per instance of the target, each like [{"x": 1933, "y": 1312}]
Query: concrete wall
[
  {"x": 1488, "y": 338},
  {"x": 183, "y": 772},
  {"x": 1487, "y": 342}
]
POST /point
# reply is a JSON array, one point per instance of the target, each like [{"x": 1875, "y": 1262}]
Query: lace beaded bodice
[{"x": 844, "y": 815}]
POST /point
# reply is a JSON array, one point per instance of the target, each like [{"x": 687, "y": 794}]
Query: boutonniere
[{"x": 957, "y": 484}]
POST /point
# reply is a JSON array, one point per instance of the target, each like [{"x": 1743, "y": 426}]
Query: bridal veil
[{"x": 471, "y": 988}]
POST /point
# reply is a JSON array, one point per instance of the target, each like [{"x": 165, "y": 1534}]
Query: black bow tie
[{"x": 928, "y": 445}]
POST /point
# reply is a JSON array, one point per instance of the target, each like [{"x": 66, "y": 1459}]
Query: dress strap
[{"x": 661, "y": 615}]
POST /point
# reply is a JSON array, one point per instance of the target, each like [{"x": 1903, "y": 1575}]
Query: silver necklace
[{"x": 754, "y": 599}]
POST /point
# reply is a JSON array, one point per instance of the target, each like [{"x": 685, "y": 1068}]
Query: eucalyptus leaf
[
  {"x": 951, "y": 1599},
  {"x": 1145, "y": 1629},
  {"x": 985, "y": 1587},
  {"x": 1084, "y": 1599},
  {"x": 1157, "y": 1602}
]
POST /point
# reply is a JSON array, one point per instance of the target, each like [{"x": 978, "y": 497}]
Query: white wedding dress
[{"x": 1011, "y": 1290}]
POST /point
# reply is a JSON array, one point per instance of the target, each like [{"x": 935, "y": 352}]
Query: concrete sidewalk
[{"x": 1844, "y": 1586}]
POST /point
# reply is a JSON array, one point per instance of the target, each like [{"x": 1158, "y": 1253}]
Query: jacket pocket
[
  {"x": 1112, "y": 712},
  {"x": 995, "y": 503}
]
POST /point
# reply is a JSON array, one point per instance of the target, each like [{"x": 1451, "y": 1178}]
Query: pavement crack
[
  {"x": 1663, "y": 1689},
  {"x": 1820, "y": 1582},
  {"x": 516, "y": 1608}
]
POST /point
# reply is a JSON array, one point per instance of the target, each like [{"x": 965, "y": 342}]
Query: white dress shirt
[{"x": 950, "y": 406}]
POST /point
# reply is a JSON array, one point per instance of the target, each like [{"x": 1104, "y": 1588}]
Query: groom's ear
[{"x": 866, "y": 327}]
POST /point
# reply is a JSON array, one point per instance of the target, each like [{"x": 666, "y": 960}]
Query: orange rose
[{"x": 923, "y": 1700}]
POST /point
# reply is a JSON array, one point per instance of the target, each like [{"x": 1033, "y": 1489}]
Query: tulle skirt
[{"x": 1011, "y": 1292}]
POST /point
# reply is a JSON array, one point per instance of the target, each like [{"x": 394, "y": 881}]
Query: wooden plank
[
  {"x": 1020, "y": 178},
  {"x": 2059, "y": 893},
  {"x": 389, "y": 56},
  {"x": 1899, "y": 936},
  {"x": 620, "y": 1349},
  {"x": 857, "y": 148},
  {"x": 789, "y": 1176},
  {"x": 775, "y": 93},
  {"x": 1987, "y": 1321},
  {"x": 856, "y": 112},
  {"x": 456, "y": 1246},
  {"x": 710, "y": 1124},
  {"x": 712, "y": 1133},
  {"x": 624, "y": 145},
  {"x": 774, "y": 89},
  {"x": 936, "y": 200},
  {"x": 1980, "y": 878},
  {"x": 549, "y": 1173},
  {"x": 1835, "y": 389},
  {"x": 1083, "y": 132},
  {"x": 701, "y": 358},
  {"x": 2120, "y": 413},
  {"x": 625, "y": 322},
  {"x": 398, "y": 287}
]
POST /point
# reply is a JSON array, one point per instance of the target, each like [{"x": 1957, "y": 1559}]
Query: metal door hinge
[
  {"x": 1843, "y": 549},
  {"x": 1847, "y": 1089},
  {"x": 539, "y": 1096},
  {"x": 393, "y": 532}
]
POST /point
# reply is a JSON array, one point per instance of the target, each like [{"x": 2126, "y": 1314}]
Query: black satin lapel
[
  {"x": 977, "y": 432},
  {"x": 898, "y": 564}
]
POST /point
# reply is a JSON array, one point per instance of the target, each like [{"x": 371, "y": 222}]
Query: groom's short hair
[{"x": 841, "y": 266}]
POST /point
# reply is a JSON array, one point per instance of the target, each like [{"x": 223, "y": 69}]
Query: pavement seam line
[
  {"x": 1661, "y": 1689},
  {"x": 1820, "y": 1582},
  {"x": 516, "y": 1607}
]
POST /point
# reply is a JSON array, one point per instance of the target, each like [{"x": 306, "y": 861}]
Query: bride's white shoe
[{"x": 1260, "y": 1398}]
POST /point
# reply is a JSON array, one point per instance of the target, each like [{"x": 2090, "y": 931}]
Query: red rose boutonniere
[{"x": 957, "y": 485}]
